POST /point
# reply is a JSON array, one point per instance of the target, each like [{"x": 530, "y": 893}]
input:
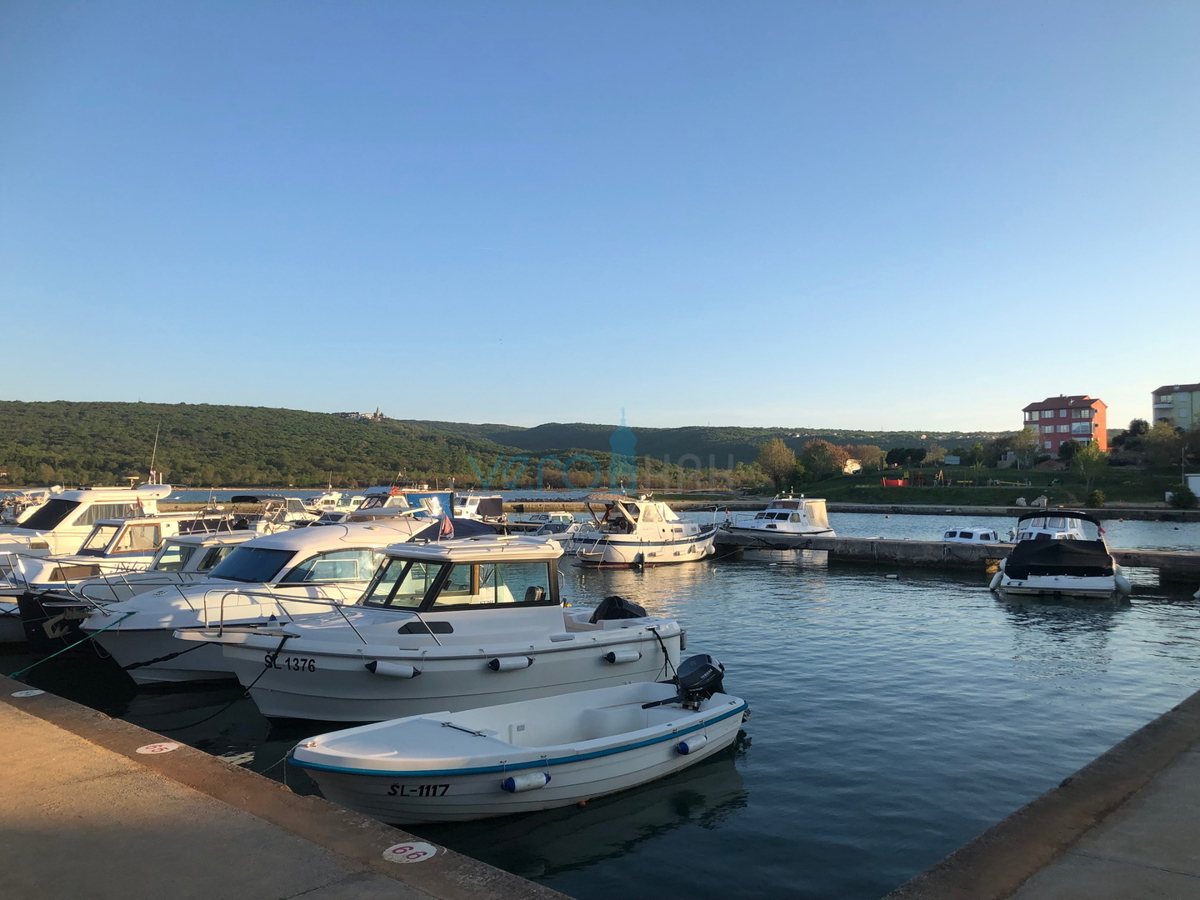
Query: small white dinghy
[{"x": 525, "y": 756}]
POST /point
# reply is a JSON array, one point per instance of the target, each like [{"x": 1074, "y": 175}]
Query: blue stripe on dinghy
[{"x": 533, "y": 764}]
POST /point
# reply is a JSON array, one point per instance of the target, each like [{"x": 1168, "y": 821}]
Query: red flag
[{"x": 447, "y": 527}]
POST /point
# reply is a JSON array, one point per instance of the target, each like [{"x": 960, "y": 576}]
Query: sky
[{"x": 871, "y": 215}]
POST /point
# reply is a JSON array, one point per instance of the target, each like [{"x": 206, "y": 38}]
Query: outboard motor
[
  {"x": 617, "y": 608},
  {"x": 699, "y": 677}
]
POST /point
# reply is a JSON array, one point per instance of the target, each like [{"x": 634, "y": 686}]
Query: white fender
[
  {"x": 692, "y": 744},
  {"x": 395, "y": 670},
  {"x": 510, "y": 663},
  {"x": 530, "y": 781},
  {"x": 622, "y": 656},
  {"x": 996, "y": 579},
  {"x": 1122, "y": 583}
]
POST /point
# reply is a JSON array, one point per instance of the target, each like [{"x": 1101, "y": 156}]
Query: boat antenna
[{"x": 154, "y": 452}]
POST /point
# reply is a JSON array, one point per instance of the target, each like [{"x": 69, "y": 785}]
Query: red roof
[
  {"x": 1172, "y": 388},
  {"x": 1076, "y": 401}
]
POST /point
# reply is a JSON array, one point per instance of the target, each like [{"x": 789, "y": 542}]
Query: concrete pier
[
  {"x": 1172, "y": 565},
  {"x": 1123, "y": 826},
  {"x": 84, "y": 814}
]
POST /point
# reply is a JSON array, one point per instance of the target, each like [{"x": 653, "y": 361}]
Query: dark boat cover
[{"x": 1085, "y": 559}]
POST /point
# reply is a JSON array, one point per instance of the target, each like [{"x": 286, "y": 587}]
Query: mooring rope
[{"x": 84, "y": 640}]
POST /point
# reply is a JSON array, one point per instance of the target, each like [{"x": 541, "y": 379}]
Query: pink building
[{"x": 1057, "y": 419}]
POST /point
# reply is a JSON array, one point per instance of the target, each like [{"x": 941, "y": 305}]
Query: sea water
[{"x": 893, "y": 720}]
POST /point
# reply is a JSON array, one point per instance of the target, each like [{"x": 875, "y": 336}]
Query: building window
[
  {"x": 1033, "y": 416},
  {"x": 1064, "y": 428},
  {"x": 1047, "y": 445},
  {"x": 1047, "y": 428},
  {"x": 1062, "y": 413},
  {"x": 1081, "y": 428}
]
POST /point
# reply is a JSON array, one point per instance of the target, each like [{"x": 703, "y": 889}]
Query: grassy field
[{"x": 1119, "y": 485}]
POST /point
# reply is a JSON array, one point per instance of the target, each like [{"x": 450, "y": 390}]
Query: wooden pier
[{"x": 1172, "y": 565}]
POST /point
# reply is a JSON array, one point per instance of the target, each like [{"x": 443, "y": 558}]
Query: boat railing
[{"x": 325, "y": 603}]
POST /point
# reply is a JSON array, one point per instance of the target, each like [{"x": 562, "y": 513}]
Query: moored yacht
[
  {"x": 447, "y": 626},
  {"x": 1055, "y": 556},
  {"x": 257, "y": 582},
  {"x": 65, "y": 520},
  {"x": 481, "y": 507},
  {"x": 787, "y": 514},
  {"x": 636, "y": 531}
]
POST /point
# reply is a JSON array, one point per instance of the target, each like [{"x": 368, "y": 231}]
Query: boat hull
[
  {"x": 188, "y": 661},
  {"x": 306, "y": 682},
  {"x": 627, "y": 550},
  {"x": 446, "y": 797}
]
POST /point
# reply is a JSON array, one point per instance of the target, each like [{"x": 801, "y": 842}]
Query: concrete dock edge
[
  {"x": 996, "y": 863},
  {"x": 363, "y": 840}
]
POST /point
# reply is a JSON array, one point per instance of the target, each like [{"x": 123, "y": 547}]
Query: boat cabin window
[
  {"x": 138, "y": 539},
  {"x": 968, "y": 535},
  {"x": 253, "y": 564},
  {"x": 97, "y": 542},
  {"x": 407, "y": 584},
  {"x": 51, "y": 515},
  {"x": 501, "y": 584},
  {"x": 651, "y": 514},
  {"x": 295, "y": 506},
  {"x": 340, "y": 565},
  {"x": 173, "y": 557},
  {"x": 402, "y": 584},
  {"x": 98, "y": 511},
  {"x": 949, "y": 534},
  {"x": 214, "y": 556},
  {"x": 794, "y": 517},
  {"x": 786, "y": 504}
]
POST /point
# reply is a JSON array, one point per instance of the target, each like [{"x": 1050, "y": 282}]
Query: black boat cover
[{"x": 1085, "y": 559}]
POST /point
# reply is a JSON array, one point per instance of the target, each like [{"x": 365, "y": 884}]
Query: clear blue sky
[{"x": 856, "y": 214}]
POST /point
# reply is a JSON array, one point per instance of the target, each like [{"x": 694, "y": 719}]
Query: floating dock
[
  {"x": 1172, "y": 565},
  {"x": 97, "y": 807}
]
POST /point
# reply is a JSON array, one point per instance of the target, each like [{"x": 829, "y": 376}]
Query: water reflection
[{"x": 557, "y": 841}]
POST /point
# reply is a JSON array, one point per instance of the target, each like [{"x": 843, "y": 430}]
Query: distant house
[
  {"x": 852, "y": 466},
  {"x": 1177, "y": 404},
  {"x": 376, "y": 416},
  {"x": 1078, "y": 418}
]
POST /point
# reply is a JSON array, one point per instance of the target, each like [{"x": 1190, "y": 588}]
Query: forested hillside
[
  {"x": 703, "y": 441},
  {"x": 87, "y": 443},
  {"x": 74, "y": 443}
]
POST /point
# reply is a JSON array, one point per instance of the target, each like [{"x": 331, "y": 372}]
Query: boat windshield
[
  {"x": 474, "y": 585},
  {"x": 173, "y": 557},
  {"x": 252, "y": 564},
  {"x": 402, "y": 584},
  {"x": 51, "y": 515},
  {"x": 97, "y": 542}
]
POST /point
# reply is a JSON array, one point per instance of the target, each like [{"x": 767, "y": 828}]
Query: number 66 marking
[{"x": 410, "y": 852}]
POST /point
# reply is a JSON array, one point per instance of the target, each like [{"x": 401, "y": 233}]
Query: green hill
[
  {"x": 203, "y": 445},
  {"x": 76, "y": 443}
]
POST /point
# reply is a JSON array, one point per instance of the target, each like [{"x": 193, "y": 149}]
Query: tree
[
  {"x": 936, "y": 453},
  {"x": 1092, "y": 461},
  {"x": 869, "y": 455},
  {"x": 1138, "y": 427},
  {"x": 1163, "y": 444},
  {"x": 777, "y": 460},
  {"x": 1068, "y": 450},
  {"x": 823, "y": 459},
  {"x": 1183, "y": 498}
]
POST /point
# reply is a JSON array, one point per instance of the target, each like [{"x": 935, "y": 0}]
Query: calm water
[{"x": 893, "y": 720}]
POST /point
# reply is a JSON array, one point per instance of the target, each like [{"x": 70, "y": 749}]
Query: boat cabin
[
  {"x": 65, "y": 521},
  {"x": 1055, "y": 525},
  {"x": 466, "y": 574},
  {"x": 388, "y": 500},
  {"x": 623, "y": 514},
  {"x": 971, "y": 536},
  {"x": 485, "y": 508}
]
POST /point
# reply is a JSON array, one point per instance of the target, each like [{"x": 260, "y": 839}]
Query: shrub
[
  {"x": 1183, "y": 498},
  {"x": 1095, "y": 500}
]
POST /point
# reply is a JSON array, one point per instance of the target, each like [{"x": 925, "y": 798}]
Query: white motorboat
[
  {"x": 1053, "y": 556},
  {"x": 65, "y": 521},
  {"x": 385, "y": 501},
  {"x": 18, "y": 505},
  {"x": 786, "y": 514},
  {"x": 538, "y": 522},
  {"x": 450, "y": 625},
  {"x": 972, "y": 535},
  {"x": 52, "y": 613},
  {"x": 257, "y": 582},
  {"x": 637, "y": 531},
  {"x": 525, "y": 756},
  {"x": 480, "y": 507}
]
